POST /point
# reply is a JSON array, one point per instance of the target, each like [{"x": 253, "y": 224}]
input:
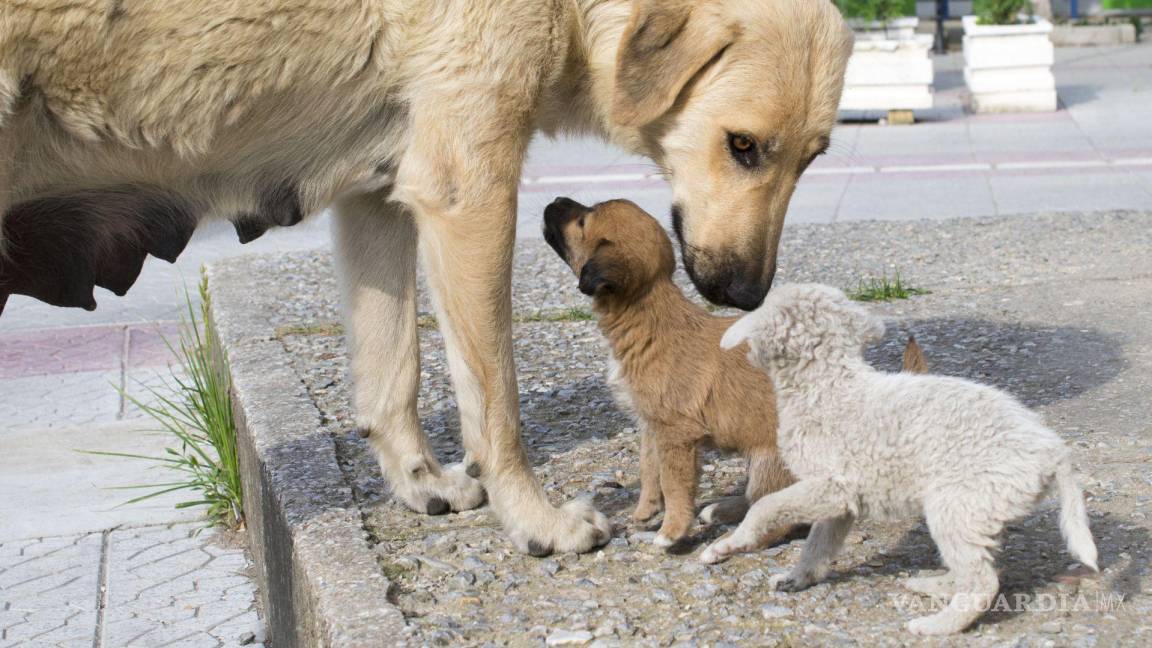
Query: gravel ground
[{"x": 1053, "y": 308}]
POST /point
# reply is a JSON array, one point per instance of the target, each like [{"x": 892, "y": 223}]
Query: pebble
[
  {"x": 568, "y": 638},
  {"x": 770, "y": 611}
]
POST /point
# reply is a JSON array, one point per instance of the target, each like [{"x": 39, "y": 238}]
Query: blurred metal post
[{"x": 941, "y": 45}]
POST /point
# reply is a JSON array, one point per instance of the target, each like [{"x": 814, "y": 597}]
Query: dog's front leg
[
  {"x": 460, "y": 176},
  {"x": 377, "y": 261}
]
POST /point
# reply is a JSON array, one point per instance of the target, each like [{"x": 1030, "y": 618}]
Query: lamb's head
[{"x": 804, "y": 323}]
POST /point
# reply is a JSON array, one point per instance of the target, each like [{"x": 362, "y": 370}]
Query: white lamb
[{"x": 866, "y": 443}]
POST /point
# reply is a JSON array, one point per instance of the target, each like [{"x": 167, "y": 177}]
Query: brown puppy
[{"x": 667, "y": 365}]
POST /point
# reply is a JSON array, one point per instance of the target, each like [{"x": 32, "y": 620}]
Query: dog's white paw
[
  {"x": 661, "y": 540},
  {"x": 454, "y": 489},
  {"x": 716, "y": 552},
  {"x": 707, "y": 514},
  {"x": 576, "y": 527}
]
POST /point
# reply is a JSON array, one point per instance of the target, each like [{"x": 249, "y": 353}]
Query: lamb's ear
[
  {"x": 665, "y": 44},
  {"x": 738, "y": 333},
  {"x": 869, "y": 327}
]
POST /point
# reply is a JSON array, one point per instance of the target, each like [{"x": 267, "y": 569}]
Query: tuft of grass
[
  {"x": 194, "y": 406},
  {"x": 883, "y": 289}
]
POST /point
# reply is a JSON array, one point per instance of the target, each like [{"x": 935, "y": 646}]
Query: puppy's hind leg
[
  {"x": 766, "y": 473},
  {"x": 824, "y": 542},
  {"x": 965, "y": 550},
  {"x": 377, "y": 263}
]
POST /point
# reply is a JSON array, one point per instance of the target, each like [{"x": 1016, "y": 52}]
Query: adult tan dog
[{"x": 125, "y": 123}]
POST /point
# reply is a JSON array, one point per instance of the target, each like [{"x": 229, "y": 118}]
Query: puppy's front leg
[
  {"x": 678, "y": 483},
  {"x": 800, "y": 503},
  {"x": 650, "y": 501}
]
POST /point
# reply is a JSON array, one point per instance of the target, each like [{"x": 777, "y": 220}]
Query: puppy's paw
[
  {"x": 661, "y": 540},
  {"x": 646, "y": 511},
  {"x": 717, "y": 552},
  {"x": 790, "y": 582},
  {"x": 730, "y": 510},
  {"x": 576, "y": 527}
]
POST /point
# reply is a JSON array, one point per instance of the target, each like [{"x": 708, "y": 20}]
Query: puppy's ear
[
  {"x": 599, "y": 276},
  {"x": 738, "y": 332},
  {"x": 665, "y": 44}
]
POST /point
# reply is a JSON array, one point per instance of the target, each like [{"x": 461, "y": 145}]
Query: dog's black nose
[
  {"x": 744, "y": 295},
  {"x": 563, "y": 208}
]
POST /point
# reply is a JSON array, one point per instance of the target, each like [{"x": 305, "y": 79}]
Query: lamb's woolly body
[{"x": 866, "y": 443}]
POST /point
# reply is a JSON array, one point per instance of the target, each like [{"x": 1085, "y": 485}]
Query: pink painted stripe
[{"x": 87, "y": 348}]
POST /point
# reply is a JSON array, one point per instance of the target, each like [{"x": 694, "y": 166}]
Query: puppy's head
[
  {"x": 615, "y": 248},
  {"x": 735, "y": 98},
  {"x": 804, "y": 322}
]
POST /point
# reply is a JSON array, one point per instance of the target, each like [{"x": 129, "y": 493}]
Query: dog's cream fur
[
  {"x": 866, "y": 443},
  {"x": 130, "y": 121}
]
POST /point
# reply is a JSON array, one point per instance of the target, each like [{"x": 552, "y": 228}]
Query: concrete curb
[{"x": 318, "y": 577}]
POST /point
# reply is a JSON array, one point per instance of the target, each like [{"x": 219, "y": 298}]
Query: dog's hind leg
[
  {"x": 803, "y": 502},
  {"x": 966, "y": 552},
  {"x": 377, "y": 245},
  {"x": 766, "y": 473},
  {"x": 651, "y": 500}
]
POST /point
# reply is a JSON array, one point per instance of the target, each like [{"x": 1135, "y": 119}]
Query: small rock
[
  {"x": 466, "y": 578},
  {"x": 551, "y": 567},
  {"x": 1051, "y": 627},
  {"x": 568, "y": 638},
  {"x": 770, "y": 611},
  {"x": 247, "y": 638}
]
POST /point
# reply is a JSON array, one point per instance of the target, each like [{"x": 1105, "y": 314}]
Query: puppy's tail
[
  {"x": 914, "y": 361},
  {"x": 1074, "y": 517}
]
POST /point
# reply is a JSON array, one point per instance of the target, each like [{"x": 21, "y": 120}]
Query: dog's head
[
  {"x": 615, "y": 248},
  {"x": 734, "y": 98},
  {"x": 804, "y": 322}
]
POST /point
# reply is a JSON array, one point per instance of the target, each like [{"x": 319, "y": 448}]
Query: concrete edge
[{"x": 319, "y": 580}]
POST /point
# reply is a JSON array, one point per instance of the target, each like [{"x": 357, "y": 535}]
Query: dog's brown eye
[{"x": 743, "y": 150}]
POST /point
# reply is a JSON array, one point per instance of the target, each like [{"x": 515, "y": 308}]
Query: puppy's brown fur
[{"x": 668, "y": 367}]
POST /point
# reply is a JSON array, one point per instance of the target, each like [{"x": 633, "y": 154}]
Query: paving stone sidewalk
[{"x": 149, "y": 586}]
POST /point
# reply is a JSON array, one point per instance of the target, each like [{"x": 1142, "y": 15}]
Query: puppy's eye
[{"x": 744, "y": 150}]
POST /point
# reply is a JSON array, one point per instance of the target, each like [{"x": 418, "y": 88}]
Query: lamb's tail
[
  {"x": 1074, "y": 517},
  {"x": 914, "y": 361}
]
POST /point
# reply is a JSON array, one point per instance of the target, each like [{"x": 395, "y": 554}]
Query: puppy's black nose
[{"x": 563, "y": 208}]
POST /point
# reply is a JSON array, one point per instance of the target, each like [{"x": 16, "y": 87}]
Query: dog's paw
[
  {"x": 932, "y": 625},
  {"x": 454, "y": 489},
  {"x": 661, "y": 540},
  {"x": 790, "y": 582},
  {"x": 717, "y": 552},
  {"x": 576, "y": 527},
  {"x": 646, "y": 511}
]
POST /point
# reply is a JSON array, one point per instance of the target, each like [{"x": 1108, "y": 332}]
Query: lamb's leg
[
  {"x": 965, "y": 552},
  {"x": 824, "y": 542},
  {"x": 803, "y": 502}
]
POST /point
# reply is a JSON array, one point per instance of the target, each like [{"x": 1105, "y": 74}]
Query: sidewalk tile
[
  {"x": 48, "y": 591},
  {"x": 915, "y": 197},
  {"x": 1024, "y": 193},
  {"x": 62, "y": 399}
]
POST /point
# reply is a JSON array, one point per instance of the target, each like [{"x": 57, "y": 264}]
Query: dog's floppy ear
[
  {"x": 665, "y": 44},
  {"x": 739, "y": 332},
  {"x": 599, "y": 276}
]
